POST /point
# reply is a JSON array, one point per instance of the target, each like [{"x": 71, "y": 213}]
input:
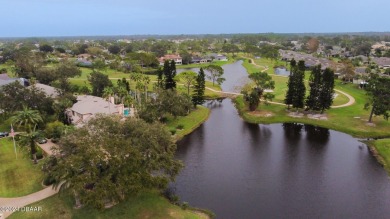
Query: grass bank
[
  {"x": 184, "y": 125},
  {"x": 381, "y": 150},
  {"x": 351, "y": 120},
  {"x": 147, "y": 204},
  {"x": 19, "y": 176}
]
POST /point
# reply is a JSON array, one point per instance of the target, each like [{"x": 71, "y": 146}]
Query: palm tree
[
  {"x": 29, "y": 139},
  {"x": 29, "y": 119},
  {"x": 108, "y": 92},
  {"x": 146, "y": 82}
]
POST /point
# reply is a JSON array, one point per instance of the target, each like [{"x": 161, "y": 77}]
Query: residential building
[
  {"x": 88, "y": 106},
  {"x": 175, "y": 57}
]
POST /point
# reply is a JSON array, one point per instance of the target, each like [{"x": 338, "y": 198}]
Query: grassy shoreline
[
  {"x": 190, "y": 122},
  {"x": 381, "y": 150}
]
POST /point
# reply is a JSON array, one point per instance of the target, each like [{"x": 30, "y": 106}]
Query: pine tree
[
  {"x": 315, "y": 88},
  {"x": 169, "y": 73},
  {"x": 327, "y": 92},
  {"x": 290, "y": 87},
  {"x": 198, "y": 94},
  {"x": 160, "y": 78},
  {"x": 298, "y": 97}
]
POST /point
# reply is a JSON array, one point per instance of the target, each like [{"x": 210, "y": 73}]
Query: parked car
[
  {"x": 42, "y": 140},
  {"x": 3, "y": 134}
]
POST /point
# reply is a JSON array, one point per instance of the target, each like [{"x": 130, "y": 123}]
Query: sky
[{"x": 30, "y": 18}]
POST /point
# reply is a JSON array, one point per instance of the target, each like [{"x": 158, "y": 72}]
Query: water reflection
[
  {"x": 292, "y": 131},
  {"x": 317, "y": 134}
]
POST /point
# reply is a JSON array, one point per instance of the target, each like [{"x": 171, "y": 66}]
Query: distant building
[
  {"x": 218, "y": 57},
  {"x": 200, "y": 60},
  {"x": 176, "y": 58}
]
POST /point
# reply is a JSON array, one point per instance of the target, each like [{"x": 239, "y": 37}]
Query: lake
[{"x": 242, "y": 170}]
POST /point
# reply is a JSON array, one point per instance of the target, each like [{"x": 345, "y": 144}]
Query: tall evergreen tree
[
  {"x": 298, "y": 97},
  {"x": 198, "y": 95},
  {"x": 315, "y": 88},
  {"x": 160, "y": 78},
  {"x": 327, "y": 90},
  {"x": 169, "y": 73},
  {"x": 290, "y": 84}
]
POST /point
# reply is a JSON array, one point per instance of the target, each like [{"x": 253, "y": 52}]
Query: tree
[
  {"x": 348, "y": 70},
  {"x": 29, "y": 119},
  {"x": 186, "y": 57},
  {"x": 321, "y": 89},
  {"x": 109, "y": 160},
  {"x": 216, "y": 73},
  {"x": 166, "y": 102},
  {"x": 99, "y": 64},
  {"x": 299, "y": 89},
  {"x": 263, "y": 81},
  {"x": 169, "y": 71},
  {"x": 114, "y": 49},
  {"x": 251, "y": 96},
  {"x": 199, "y": 88},
  {"x": 327, "y": 90},
  {"x": 14, "y": 96},
  {"x": 312, "y": 45},
  {"x": 98, "y": 81},
  {"x": 188, "y": 77},
  {"x": 45, "y": 48},
  {"x": 290, "y": 85},
  {"x": 378, "y": 90},
  {"x": 315, "y": 88}
]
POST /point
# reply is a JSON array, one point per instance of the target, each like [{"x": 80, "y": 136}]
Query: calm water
[
  {"x": 241, "y": 170},
  {"x": 235, "y": 75},
  {"x": 282, "y": 71}
]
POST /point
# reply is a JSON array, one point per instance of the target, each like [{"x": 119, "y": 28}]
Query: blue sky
[{"x": 126, "y": 17}]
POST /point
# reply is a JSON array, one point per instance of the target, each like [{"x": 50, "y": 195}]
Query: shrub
[
  {"x": 180, "y": 126},
  {"x": 173, "y": 131},
  {"x": 49, "y": 180},
  {"x": 184, "y": 206},
  {"x": 39, "y": 154}
]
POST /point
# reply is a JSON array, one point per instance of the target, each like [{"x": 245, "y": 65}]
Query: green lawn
[
  {"x": 145, "y": 205},
  {"x": 190, "y": 122},
  {"x": 382, "y": 148},
  {"x": 19, "y": 176},
  {"x": 351, "y": 120}
]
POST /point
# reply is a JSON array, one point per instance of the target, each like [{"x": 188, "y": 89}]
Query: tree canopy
[{"x": 109, "y": 160}]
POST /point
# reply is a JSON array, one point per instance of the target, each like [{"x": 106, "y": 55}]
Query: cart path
[{"x": 19, "y": 202}]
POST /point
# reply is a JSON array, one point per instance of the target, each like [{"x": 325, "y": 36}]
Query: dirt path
[{"x": 20, "y": 202}]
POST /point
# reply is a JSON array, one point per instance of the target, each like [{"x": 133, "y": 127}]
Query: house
[
  {"x": 84, "y": 56},
  {"x": 177, "y": 58},
  {"x": 88, "y": 106},
  {"x": 5, "y": 79},
  {"x": 48, "y": 90},
  {"x": 382, "y": 62},
  {"x": 200, "y": 60},
  {"x": 218, "y": 57}
]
